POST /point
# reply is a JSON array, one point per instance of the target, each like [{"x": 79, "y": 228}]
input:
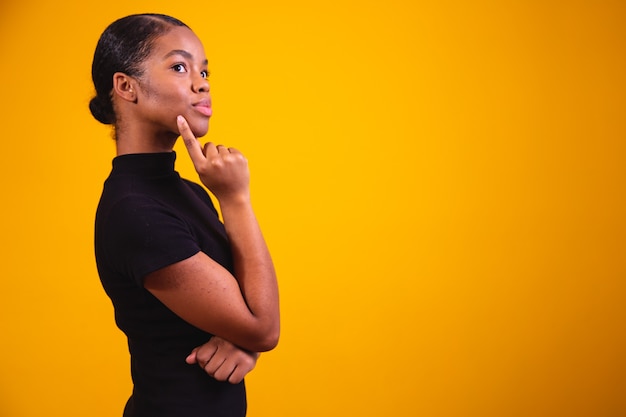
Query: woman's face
[{"x": 175, "y": 81}]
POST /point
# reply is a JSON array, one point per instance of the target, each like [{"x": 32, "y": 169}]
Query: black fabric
[{"x": 148, "y": 218}]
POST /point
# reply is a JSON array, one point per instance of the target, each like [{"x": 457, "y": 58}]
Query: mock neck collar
[{"x": 145, "y": 164}]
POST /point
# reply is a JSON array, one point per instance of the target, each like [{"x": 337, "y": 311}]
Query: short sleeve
[{"x": 142, "y": 236}]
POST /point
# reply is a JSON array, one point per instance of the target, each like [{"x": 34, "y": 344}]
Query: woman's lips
[{"x": 204, "y": 107}]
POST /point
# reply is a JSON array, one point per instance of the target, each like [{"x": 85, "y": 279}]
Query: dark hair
[{"x": 122, "y": 47}]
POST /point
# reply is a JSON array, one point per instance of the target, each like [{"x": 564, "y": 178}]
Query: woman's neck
[{"x": 132, "y": 141}]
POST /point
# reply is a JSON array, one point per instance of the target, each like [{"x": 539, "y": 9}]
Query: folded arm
[{"x": 241, "y": 308}]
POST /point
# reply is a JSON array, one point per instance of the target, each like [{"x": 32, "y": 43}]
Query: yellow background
[{"x": 441, "y": 185}]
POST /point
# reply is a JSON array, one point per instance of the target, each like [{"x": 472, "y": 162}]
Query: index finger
[{"x": 191, "y": 143}]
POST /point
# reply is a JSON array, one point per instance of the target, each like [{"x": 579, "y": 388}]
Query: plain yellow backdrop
[{"x": 442, "y": 185}]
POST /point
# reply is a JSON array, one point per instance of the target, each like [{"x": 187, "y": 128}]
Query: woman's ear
[{"x": 124, "y": 87}]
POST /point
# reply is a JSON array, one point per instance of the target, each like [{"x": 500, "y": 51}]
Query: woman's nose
[{"x": 201, "y": 85}]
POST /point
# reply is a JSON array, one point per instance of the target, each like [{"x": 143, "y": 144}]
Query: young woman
[{"x": 197, "y": 298}]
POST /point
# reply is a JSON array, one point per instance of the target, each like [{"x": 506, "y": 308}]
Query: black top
[{"x": 148, "y": 218}]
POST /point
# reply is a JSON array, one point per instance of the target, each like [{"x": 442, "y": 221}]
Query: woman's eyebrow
[{"x": 184, "y": 54}]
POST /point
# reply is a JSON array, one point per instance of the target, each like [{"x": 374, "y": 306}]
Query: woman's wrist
[{"x": 234, "y": 201}]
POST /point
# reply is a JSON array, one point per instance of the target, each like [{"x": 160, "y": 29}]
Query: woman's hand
[
  {"x": 224, "y": 171},
  {"x": 222, "y": 360}
]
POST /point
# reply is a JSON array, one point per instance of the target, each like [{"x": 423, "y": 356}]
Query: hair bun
[{"x": 101, "y": 110}]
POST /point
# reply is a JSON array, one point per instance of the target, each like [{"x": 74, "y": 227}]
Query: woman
[{"x": 196, "y": 297}]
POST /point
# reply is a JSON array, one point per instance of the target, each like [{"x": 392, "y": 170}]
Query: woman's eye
[
  {"x": 179, "y": 68},
  {"x": 204, "y": 74}
]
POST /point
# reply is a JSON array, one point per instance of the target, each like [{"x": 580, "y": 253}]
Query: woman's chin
[{"x": 200, "y": 129}]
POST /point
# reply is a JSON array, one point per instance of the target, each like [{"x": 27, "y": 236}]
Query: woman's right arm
[{"x": 243, "y": 308}]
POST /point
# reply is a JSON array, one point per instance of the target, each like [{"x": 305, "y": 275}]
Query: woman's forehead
[{"x": 179, "y": 41}]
